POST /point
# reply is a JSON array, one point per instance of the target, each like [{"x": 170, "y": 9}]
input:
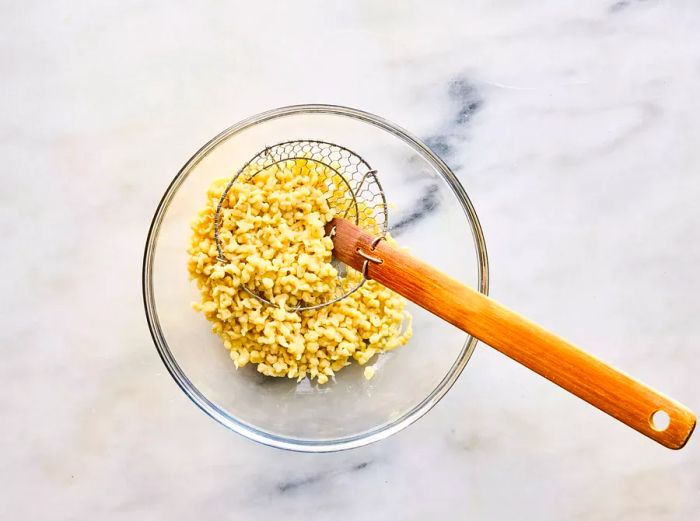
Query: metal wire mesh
[{"x": 352, "y": 187}]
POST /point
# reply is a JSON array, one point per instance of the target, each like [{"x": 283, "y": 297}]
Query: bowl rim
[{"x": 249, "y": 431}]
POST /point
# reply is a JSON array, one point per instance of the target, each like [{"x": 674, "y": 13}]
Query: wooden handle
[{"x": 580, "y": 373}]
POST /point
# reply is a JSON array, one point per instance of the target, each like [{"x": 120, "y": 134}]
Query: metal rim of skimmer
[{"x": 355, "y": 195}]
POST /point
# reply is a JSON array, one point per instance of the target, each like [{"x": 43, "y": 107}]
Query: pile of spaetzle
[{"x": 273, "y": 239}]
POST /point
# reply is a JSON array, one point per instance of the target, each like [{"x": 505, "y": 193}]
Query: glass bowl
[{"x": 429, "y": 212}]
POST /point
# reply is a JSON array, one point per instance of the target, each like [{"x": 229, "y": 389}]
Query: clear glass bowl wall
[{"x": 429, "y": 214}]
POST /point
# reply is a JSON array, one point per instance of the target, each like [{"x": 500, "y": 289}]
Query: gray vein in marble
[
  {"x": 621, "y": 5},
  {"x": 465, "y": 101},
  {"x": 425, "y": 204},
  {"x": 295, "y": 484}
]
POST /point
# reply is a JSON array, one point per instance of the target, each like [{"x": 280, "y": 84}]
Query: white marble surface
[{"x": 580, "y": 152}]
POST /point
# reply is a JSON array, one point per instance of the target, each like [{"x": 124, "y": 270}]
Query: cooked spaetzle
[{"x": 272, "y": 235}]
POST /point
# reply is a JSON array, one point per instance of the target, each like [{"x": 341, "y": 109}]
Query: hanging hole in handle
[{"x": 659, "y": 420}]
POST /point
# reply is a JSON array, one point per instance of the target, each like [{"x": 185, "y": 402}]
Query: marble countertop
[{"x": 574, "y": 127}]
